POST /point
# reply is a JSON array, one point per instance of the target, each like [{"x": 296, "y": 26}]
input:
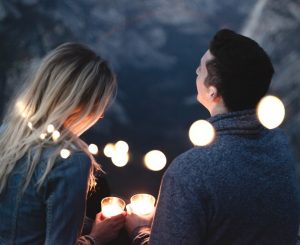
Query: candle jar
[
  {"x": 142, "y": 204},
  {"x": 112, "y": 206}
]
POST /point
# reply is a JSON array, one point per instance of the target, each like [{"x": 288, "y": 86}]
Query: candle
[
  {"x": 112, "y": 206},
  {"x": 142, "y": 204}
]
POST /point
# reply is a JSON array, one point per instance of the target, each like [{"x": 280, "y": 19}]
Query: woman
[{"x": 45, "y": 168}]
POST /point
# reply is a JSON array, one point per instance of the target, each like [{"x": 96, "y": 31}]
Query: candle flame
[
  {"x": 111, "y": 206},
  {"x": 142, "y": 204}
]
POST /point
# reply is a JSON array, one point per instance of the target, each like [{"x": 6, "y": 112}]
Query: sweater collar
[{"x": 238, "y": 122}]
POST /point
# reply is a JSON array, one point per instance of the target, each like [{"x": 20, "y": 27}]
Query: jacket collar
[{"x": 238, "y": 122}]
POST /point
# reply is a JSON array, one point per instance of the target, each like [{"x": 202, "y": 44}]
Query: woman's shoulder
[
  {"x": 74, "y": 157},
  {"x": 71, "y": 161},
  {"x": 63, "y": 154}
]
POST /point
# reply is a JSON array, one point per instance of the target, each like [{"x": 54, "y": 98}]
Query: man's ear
[{"x": 213, "y": 92}]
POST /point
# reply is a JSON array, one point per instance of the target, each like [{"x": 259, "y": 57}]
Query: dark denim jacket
[{"x": 51, "y": 215}]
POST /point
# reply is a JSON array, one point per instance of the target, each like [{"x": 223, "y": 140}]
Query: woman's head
[{"x": 70, "y": 90}]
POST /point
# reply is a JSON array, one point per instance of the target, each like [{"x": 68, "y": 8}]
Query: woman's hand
[
  {"x": 106, "y": 229},
  {"x": 133, "y": 220}
]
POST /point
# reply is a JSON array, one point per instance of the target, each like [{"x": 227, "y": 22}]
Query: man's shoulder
[
  {"x": 195, "y": 156},
  {"x": 189, "y": 171},
  {"x": 191, "y": 163}
]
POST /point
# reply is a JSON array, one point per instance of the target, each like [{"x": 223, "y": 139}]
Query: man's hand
[{"x": 133, "y": 220}]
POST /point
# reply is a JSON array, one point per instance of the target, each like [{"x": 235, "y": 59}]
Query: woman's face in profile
[{"x": 84, "y": 124}]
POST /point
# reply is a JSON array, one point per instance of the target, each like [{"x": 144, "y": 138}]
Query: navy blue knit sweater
[{"x": 241, "y": 189}]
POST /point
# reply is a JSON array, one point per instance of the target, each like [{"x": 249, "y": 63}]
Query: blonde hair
[{"x": 70, "y": 89}]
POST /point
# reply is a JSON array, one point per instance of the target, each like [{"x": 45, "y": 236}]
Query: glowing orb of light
[
  {"x": 43, "y": 136},
  {"x": 29, "y": 124},
  {"x": 55, "y": 135},
  {"x": 120, "y": 159},
  {"x": 201, "y": 133},
  {"x": 121, "y": 146},
  {"x": 93, "y": 149},
  {"x": 65, "y": 153},
  {"x": 109, "y": 150},
  {"x": 270, "y": 111},
  {"x": 20, "y": 106},
  {"x": 112, "y": 206},
  {"x": 155, "y": 160},
  {"x": 111, "y": 210},
  {"x": 142, "y": 204},
  {"x": 50, "y": 128}
]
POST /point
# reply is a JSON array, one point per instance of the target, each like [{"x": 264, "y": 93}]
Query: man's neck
[{"x": 219, "y": 108}]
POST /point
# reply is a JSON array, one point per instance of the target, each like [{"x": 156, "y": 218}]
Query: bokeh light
[
  {"x": 43, "y": 136},
  {"x": 50, "y": 128},
  {"x": 20, "y": 106},
  {"x": 120, "y": 159},
  {"x": 121, "y": 146},
  {"x": 29, "y": 124},
  {"x": 270, "y": 111},
  {"x": 155, "y": 160},
  {"x": 117, "y": 152},
  {"x": 201, "y": 133},
  {"x": 55, "y": 135},
  {"x": 65, "y": 153},
  {"x": 93, "y": 149},
  {"x": 109, "y": 150}
]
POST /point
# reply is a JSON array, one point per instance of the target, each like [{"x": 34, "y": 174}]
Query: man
[{"x": 242, "y": 188}]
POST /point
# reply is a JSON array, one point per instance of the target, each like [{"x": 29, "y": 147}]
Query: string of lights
[{"x": 270, "y": 112}]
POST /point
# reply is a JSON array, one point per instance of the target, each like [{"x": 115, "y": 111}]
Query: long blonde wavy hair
[{"x": 70, "y": 90}]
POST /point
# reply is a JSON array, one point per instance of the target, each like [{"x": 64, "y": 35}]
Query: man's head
[{"x": 235, "y": 69}]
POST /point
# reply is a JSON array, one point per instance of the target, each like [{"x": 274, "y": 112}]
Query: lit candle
[
  {"x": 142, "y": 204},
  {"x": 112, "y": 206}
]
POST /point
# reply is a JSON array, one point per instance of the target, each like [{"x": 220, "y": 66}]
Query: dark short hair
[{"x": 240, "y": 70}]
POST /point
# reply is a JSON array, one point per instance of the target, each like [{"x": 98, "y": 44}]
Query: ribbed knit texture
[{"x": 241, "y": 189}]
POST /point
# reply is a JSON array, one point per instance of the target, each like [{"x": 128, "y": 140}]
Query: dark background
[{"x": 154, "y": 47}]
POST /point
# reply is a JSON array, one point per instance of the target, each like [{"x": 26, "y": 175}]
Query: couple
[{"x": 241, "y": 189}]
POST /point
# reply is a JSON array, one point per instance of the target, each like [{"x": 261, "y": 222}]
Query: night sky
[{"x": 153, "y": 46}]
